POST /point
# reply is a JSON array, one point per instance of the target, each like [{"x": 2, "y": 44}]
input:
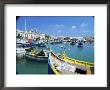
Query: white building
[{"x": 30, "y": 35}]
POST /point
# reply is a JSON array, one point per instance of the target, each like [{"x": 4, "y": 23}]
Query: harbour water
[
  {"x": 30, "y": 67},
  {"x": 85, "y": 53}
]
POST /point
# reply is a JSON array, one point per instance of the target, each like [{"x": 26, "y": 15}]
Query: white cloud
[
  {"x": 59, "y": 25},
  {"x": 59, "y": 31},
  {"x": 56, "y": 26},
  {"x": 83, "y": 24},
  {"x": 73, "y": 27}
]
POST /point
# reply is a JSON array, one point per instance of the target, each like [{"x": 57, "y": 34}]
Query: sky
[{"x": 73, "y": 26}]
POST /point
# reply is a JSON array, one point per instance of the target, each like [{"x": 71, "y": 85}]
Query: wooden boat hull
[
  {"x": 77, "y": 68},
  {"x": 36, "y": 58}
]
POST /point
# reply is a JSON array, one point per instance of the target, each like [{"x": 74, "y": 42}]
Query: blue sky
[{"x": 58, "y": 25}]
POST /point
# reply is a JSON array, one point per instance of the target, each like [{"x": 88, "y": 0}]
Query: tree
[
  {"x": 18, "y": 36},
  {"x": 47, "y": 37}
]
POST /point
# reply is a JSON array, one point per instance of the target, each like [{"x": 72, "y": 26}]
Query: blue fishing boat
[{"x": 80, "y": 44}]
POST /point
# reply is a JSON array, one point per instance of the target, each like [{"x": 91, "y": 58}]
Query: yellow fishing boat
[
  {"x": 66, "y": 65},
  {"x": 33, "y": 55}
]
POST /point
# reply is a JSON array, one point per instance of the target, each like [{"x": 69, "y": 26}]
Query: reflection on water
[{"x": 30, "y": 67}]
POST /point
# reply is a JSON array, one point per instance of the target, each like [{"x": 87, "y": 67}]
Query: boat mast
[
  {"x": 25, "y": 24},
  {"x": 25, "y": 29}
]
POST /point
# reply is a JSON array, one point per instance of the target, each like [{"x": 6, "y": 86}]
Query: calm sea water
[
  {"x": 30, "y": 67},
  {"x": 86, "y": 53}
]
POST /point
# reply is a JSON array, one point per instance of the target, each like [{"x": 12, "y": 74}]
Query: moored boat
[
  {"x": 56, "y": 42},
  {"x": 72, "y": 43},
  {"x": 37, "y": 56},
  {"x": 62, "y": 66},
  {"x": 80, "y": 44}
]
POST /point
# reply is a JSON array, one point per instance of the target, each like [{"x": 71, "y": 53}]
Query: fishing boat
[
  {"x": 26, "y": 45},
  {"x": 66, "y": 66},
  {"x": 19, "y": 49},
  {"x": 56, "y": 42},
  {"x": 36, "y": 56},
  {"x": 80, "y": 44},
  {"x": 20, "y": 52},
  {"x": 72, "y": 43},
  {"x": 58, "y": 66}
]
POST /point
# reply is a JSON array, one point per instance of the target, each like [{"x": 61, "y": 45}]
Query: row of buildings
[
  {"x": 34, "y": 35},
  {"x": 29, "y": 35}
]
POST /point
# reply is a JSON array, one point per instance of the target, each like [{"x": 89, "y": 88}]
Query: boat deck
[{"x": 62, "y": 67}]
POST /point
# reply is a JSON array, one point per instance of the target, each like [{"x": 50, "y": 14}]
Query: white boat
[
  {"x": 80, "y": 43},
  {"x": 21, "y": 41},
  {"x": 20, "y": 51}
]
